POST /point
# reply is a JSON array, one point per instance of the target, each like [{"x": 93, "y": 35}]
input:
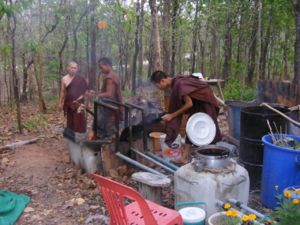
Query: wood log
[{"x": 13, "y": 145}]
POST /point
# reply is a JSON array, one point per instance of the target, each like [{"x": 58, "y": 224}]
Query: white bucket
[{"x": 172, "y": 152}]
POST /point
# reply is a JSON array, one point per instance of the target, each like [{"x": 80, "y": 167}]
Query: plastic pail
[
  {"x": 172, "y": 152},
  {"x": 294, "y": 195},
  {"x": 281, "y": 167},
  {"x": 254, "y": 126},
  {"x": 192, "y": 215}
]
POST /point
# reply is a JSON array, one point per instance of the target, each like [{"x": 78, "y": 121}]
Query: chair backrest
[{"x": 114, "y": 193}]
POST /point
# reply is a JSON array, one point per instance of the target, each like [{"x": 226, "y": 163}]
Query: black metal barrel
[{"x": 254, "y": 126}]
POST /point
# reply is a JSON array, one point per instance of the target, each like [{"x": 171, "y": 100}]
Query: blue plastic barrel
[{"x": 281, "y": 167}]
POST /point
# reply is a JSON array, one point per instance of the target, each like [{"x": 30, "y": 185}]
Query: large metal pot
[{"x": 214, "y": 157}]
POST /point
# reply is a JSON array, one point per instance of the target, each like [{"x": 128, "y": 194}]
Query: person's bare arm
[
  {"x": 87, "y": 100},
  {"x": 187, "y": 104},
  {"x": 61, "y": 94},
  {"x": 110, "y": 90}
]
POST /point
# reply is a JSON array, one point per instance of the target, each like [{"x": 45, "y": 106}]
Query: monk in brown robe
[
  {"x": 188, "y": 95},
  {"x": 111, "y": 90},
  {"x": 73, "y": 88}
]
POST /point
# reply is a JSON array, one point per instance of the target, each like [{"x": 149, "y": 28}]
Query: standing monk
[
  {"x": 73, "y": 88},
  {"x": 111, "y": 90},
  {"x": 188, "y": 95}
]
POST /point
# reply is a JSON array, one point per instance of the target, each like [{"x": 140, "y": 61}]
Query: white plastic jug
[{"x": 172, "y": 152}]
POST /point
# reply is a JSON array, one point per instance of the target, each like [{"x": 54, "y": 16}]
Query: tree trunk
[
  {"x": 174, "y": 15},
  {"x": 60, "y": 53},
  {"x": 194, "y": 40},
  {"x": 75, "y": 32},
  {"x": 93, "y": 47},
  {"x": 39, "y": 73},
  {"x": 296, "y": 79},
  {"x": 259, "y": 37},
  {"x": 14, "y": 74},
  {"x": 166, "y": 36},
  {"x": 154, "y": 42},
  {"x": 266, "y": 45},
  {"x": 136, "y": 48},
  {"x": 252, "y": 50},
  {"x": 141, "y": 53}
]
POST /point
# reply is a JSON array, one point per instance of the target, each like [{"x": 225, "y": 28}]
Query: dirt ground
[{"x": 59, "y": 193}]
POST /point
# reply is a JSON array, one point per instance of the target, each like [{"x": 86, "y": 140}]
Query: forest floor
[{"x": 59, "y": 193}]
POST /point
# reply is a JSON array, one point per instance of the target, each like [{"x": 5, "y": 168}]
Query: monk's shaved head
[
  {"x": 157, "y": 76},
  {"x": 72, "y": 63}
]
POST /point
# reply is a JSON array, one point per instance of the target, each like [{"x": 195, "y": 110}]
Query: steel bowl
[{"x": 214, "y": 157}]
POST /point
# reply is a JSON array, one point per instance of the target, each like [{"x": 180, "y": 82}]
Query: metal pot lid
[{"x": 201, "y": 129}]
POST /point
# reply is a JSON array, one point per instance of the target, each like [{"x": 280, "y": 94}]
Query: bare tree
[
  {"x": 296, "y": 79},
  {"x": 166, "y": 36},
  {"x": 155, "y": 62}
]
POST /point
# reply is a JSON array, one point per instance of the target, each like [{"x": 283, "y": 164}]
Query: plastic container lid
[
  {"x": 192, "y": 214},
  {"x": 156, "y": 134},
  {"x": 201, "y": 129}
]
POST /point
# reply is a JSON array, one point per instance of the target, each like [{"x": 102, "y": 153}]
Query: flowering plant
[
  {"x": 233, "y": 217},
  {"x": 288, "y": 210}
]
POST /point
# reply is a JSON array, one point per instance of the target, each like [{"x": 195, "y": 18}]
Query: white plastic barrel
[
  {"x": 191, "y": 186},
  {"x": 172, "y": 152}
]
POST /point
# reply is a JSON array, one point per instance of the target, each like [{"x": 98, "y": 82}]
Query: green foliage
[
  {"x": 288, "y": 210},
  {"x": 50, "y": 97},
  {"x": 127, "y": 93},
  {"x": 236, "y": 91},
  {"x": 8, "y": 110},
  {"x": 36, "y": 122},
  {"x": 52, "y": 107},
  {"x": 10, "y": 9}
]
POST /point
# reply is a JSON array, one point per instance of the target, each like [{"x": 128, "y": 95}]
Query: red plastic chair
[{"x": 141, "y": 211}]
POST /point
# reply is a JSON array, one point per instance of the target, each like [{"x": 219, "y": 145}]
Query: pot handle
[
  {"x": 239, "y": 182},
  {"x": 296, "y": 160}
]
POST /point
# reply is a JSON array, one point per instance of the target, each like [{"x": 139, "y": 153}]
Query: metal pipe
[
  {"x": 133, "y": 162},
  {"x": 172, "y": 166},
  {"x": 221, "y": 204},
  {"x": 152, "y": 160},
  {"x": 242, "y": 206}
]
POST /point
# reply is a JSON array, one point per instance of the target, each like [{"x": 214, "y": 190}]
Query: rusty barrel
[{"x": 254, "y": 126}]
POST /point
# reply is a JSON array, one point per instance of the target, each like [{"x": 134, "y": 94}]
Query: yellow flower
[
  {"x": 235, "y": 213},
  {"x": 245, "y": 218},
  {"x": 276, "y": 187},
  {"x": 227, "y": 206},
  {"x": 229, "y": 213},
  {"x": 297, "y": 191},
  {"x": 296, "y": 201},
  {"x": 252, "y": 217},
  {"x": 287, "y": 194}
]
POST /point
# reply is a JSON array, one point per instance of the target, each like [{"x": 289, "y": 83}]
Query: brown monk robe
[
  {"x": 76, "y": 89},
  {"x": 203, "y": 101},
  {"x": 117, "y": 96},
  {"x": 111, "y": 90},
  {"x": 106, "y": 117}
]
